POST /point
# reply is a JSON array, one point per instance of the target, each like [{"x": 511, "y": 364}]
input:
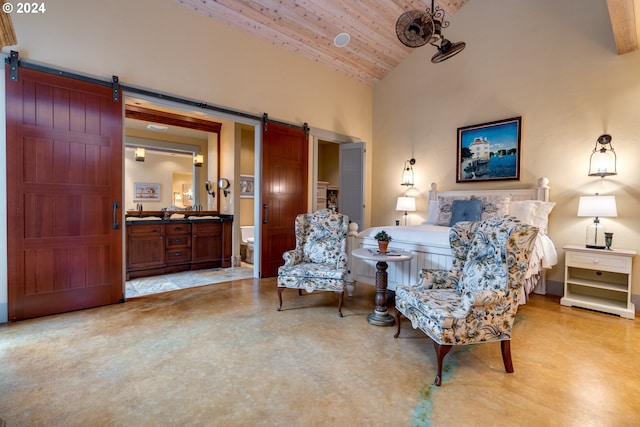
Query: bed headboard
[{"x": 538, "y": 192}]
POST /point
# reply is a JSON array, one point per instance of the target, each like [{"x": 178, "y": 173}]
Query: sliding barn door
[
  {"x": 285, "y": 154},
  {"x": 64, "y": 188}
]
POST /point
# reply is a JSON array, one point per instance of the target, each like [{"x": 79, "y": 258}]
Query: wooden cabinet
[
  {"x": 323, "y": 186},
  {"x": 205, "y": 237},
  {"x": 599, "y": 280},
  {"x": 168, "y": 246},
  {"x": 145, "y": 246}
]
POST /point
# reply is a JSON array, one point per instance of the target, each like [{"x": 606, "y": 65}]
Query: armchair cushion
[{"x": 313, "y": 269}]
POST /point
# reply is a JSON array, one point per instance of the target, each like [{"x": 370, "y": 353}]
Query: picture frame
[
  {"x": 247, "y": 186},
  {"x": 489, "y": 151},
  {"x": 146, "y": 192}
]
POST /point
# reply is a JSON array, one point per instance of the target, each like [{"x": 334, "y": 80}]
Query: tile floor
[{"x": 186, "y": 279}]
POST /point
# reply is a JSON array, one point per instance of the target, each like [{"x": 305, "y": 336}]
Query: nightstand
[{"x": 599, "y": 279}]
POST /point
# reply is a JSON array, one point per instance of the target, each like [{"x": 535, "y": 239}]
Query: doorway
[
  {"x": 339, "y": 175},
  {"x": 172, "y": 136}
]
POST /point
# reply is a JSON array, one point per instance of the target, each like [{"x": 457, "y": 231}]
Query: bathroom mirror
[{"x": 177, "y": 133}]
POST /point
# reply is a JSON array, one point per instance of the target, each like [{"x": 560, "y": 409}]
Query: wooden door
[
  {"x": 285, "y": 154},
  {"x": 64, "y": 192}
]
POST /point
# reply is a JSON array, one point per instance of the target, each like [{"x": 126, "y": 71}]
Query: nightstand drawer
[{"x": 599, "y": 262}]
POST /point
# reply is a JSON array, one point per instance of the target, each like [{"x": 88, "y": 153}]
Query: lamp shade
[
  {"x": 406, "y": 204},
  {"x": 597, "y": 206}
]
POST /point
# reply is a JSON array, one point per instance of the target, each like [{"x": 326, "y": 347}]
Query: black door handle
[
  {"x": 116, "y": 205},
  {"x": 266, "y": 213}
]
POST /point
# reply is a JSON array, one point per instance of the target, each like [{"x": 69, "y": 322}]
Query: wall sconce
[
  {"x": 603, "y": 161},
  {"x": 597, "y": 206},
  {"x": 198, "y": 160},
  {"x": 406, "y": 204},
  {"x": 407, "y": 173},
  {"x": 139, "y": 154}
]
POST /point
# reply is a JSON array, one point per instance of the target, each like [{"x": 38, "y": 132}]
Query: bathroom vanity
[{"x": 160, "y": 246}]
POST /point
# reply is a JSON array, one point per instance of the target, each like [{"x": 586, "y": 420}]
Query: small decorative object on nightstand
[
  {"x": 608, "y": 239},
  {"x": 599, "y": 280}
]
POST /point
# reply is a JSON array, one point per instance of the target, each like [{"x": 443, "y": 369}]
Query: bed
[{"x": 429, "y": 241}]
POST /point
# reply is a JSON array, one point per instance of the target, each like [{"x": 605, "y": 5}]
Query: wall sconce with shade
[
  {"x": 198, "y": 160},
  {"x": 407, "y": 173},
  {"x": 603, "y": 160},
  {"x": 406, "y": 204},
  {"x": 597, "y": 206},
  {"x": 139, "y": 154}
]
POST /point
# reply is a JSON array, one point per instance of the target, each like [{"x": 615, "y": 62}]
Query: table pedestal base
[{"x": 381, "y": 316}]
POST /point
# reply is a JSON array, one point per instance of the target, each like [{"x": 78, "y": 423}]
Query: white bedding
[
  {"x": 544, "y": 255},
  {"x": 432, "y": 235}
]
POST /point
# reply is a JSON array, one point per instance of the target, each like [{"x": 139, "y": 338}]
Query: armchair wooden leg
[
  {"x": 441, "y": 352},
  {"x": 340, "y": 303},
  {"x": 398, "y": 316},
  {"x": 505, "y": 346},
  {"x": 280, "y": 290}
]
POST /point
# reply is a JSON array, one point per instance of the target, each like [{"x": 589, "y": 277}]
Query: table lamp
[
  {"x": 406, "y": 204},
  {"x": 597, "y": 206}
]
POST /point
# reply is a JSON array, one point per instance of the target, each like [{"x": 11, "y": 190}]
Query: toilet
[{"x": 246, "y": 234}]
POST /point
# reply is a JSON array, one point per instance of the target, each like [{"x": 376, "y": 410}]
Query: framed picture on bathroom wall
[
  {"x": 145, "y": 191},
  {"x": 246, "y": 186}
]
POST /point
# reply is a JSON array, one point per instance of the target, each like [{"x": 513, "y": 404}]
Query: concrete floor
[{"x": 221, "y": 355}]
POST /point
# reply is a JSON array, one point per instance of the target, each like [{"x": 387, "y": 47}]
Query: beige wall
[
  {"x": 247, "y": 161},
  {"x": 329, "y": 163},
  {"x": 554, "y": 64}
]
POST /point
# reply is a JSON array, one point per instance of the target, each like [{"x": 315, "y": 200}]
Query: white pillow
[
  {"x": 532, "y": 212},
  {"x": 432, "y": 217},
  {"x": 494, "y": 206}
]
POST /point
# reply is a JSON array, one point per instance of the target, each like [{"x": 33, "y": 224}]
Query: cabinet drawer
[
  {"x": 178, "y": 229},
  {"x": 599, "y": 262},
  {"x": 134, "y": 230},
  {"x": 173, "y": 256},
  {"x": 180, "y": 241},
  {"x": 207, "y": 229}
]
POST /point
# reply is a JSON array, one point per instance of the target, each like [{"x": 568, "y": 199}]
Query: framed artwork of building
[{"x": 489, "y": 151}]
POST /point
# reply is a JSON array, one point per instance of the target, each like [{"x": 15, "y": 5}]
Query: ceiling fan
[{"x": 415, "y": 28}]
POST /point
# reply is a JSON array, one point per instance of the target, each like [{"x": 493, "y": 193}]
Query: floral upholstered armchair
[
  {"x": 319, "y": 261},
  {"x": 477, "y": 300}
]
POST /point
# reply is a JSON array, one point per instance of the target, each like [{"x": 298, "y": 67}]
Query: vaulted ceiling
[{"x": 309, "y": 27}]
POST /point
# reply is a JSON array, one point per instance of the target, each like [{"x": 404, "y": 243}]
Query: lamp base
[{"x": 595, "y": 247}]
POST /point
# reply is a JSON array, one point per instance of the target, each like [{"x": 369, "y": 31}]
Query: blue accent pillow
[{"x": 465, "y": 210}]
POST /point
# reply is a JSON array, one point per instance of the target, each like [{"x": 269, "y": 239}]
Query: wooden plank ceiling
[{"x": 308, "y": 27}]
